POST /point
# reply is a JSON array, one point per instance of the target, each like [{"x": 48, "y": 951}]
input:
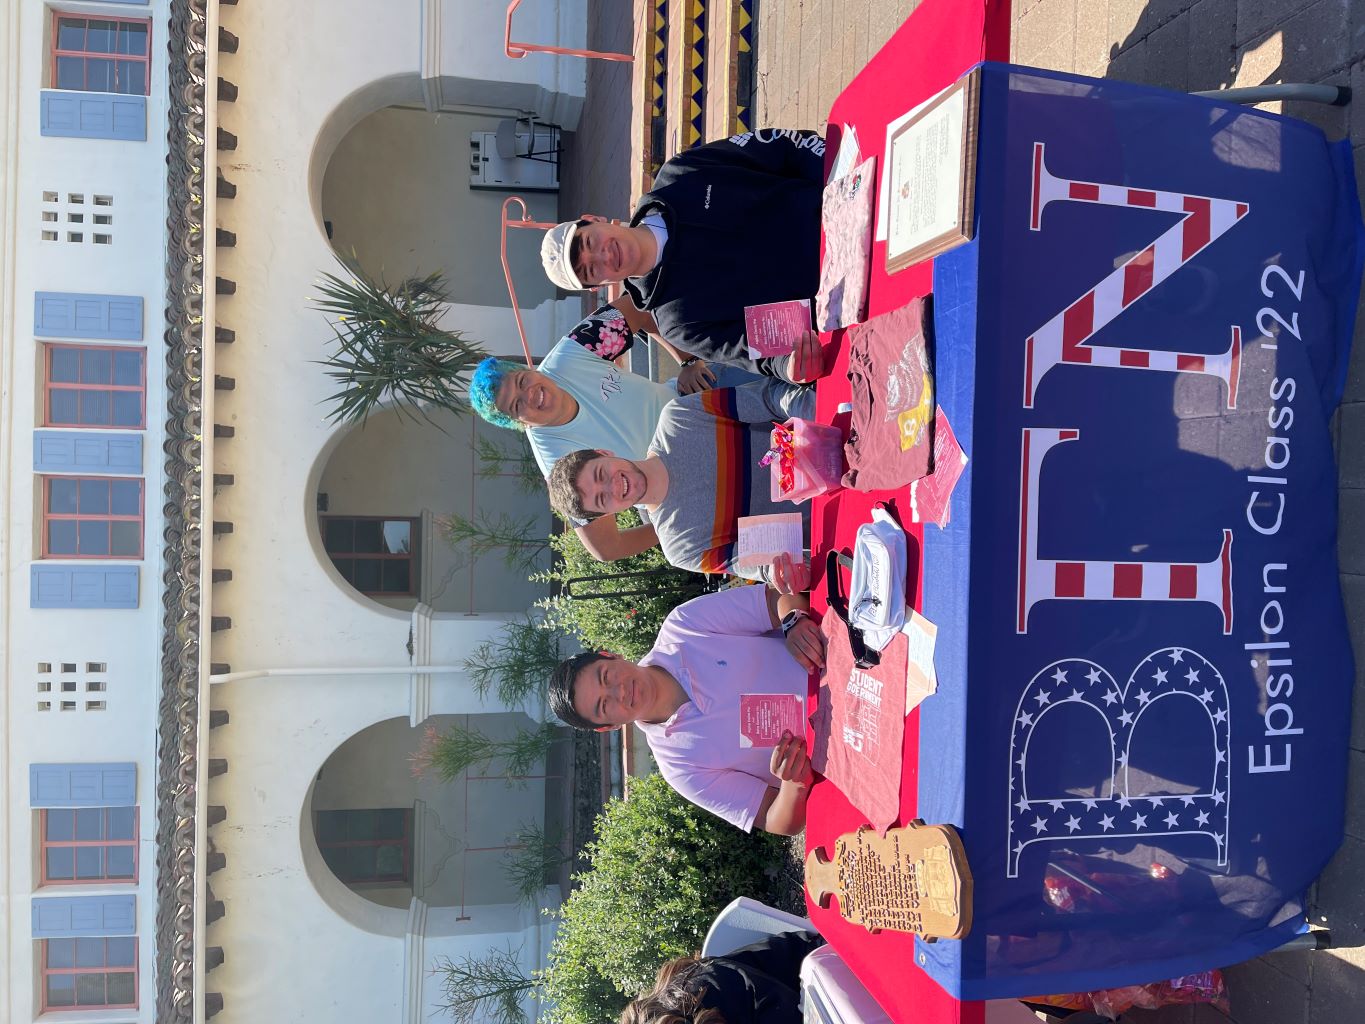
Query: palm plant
[
  {"x": 517, "y": 537},
  {"x": 389, "y": 347},
  {"x": 497, "y": 460},
  {"x": 514, "y": 664},
  {"x": 450, "y": 754},
  {"x": 532, "y": 855},
  {"x": 488, "y": 988}
]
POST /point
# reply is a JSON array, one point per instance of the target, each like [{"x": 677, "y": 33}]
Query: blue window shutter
[
  {"x": 83, "y": 586},
  {"x": 93, "y": 115},
  {"x": 75, "y": 315},
  {"x": 64, "y": 917},
  {"x": 86, "y": 451},
  {"x": 82, "y": 785}
]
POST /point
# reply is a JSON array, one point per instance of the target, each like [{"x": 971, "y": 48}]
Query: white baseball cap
[{"x": 554, "y": 256}]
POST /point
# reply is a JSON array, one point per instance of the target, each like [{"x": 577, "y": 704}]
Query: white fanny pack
[{"x": 876, "y": 599}]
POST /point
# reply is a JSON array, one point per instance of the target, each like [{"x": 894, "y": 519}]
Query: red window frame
[
  {"x": 49, "y": 384},
  {"x": 404, "y": 844},
  {"x": 144, "y": 58},
  {"x": 104, "y": 844},
  {"x": 104, "y": 971},
  {"x": 414, "y": 532},
  {"x": 106, "y": 517}
]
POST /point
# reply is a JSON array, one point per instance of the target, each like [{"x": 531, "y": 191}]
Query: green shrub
[
  {"x": 623, "y": 625},
  {"x": 662, "y": 868}
]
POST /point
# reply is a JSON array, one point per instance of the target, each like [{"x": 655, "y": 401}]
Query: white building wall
[
  {"x": 126, "y": 641},
  {"x": 275, "y": 887},
  {"x": 307, "y": 71}
]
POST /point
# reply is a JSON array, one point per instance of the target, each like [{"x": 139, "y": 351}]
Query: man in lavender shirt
[{"x": 685, "y": 697}]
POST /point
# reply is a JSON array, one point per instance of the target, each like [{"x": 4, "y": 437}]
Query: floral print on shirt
[{"x": 604, "y": 333}]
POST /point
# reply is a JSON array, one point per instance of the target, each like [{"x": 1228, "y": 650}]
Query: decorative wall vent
[
  {"x": 73, "y": 210},
  {"x": 87, "y": 690}
]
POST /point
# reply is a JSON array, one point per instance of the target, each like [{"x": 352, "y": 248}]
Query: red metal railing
[
  {"x": 613, "y": 291},
  {"x": 518, "y": 50},
  {"x": 524, "y": 222}
]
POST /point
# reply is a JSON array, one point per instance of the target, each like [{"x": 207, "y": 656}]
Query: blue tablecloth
[{"x": 1142, "y": 719}]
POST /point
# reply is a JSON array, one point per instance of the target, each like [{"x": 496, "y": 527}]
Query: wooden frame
[
  {"x": 109, "y": 518},
  {"x": 109, "y": 387},
  {"x": 403, "y": 843},
  {"x": 104, "y": 844},
  {"x": 103, "y": 970},
  {"x": 414, "y": 537},
  {"x": 969, "y": 88},
  {"x": 113, "y": 55}
]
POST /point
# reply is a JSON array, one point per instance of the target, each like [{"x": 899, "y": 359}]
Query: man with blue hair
[{"x": 578, "y": 398}]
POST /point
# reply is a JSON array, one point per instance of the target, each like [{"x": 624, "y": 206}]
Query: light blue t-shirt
[{"x": 617, "y": 410}]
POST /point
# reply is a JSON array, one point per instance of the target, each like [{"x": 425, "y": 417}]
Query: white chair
[
  {"x": 746, "y": 921},
  {"x": 830, "y": 992}
]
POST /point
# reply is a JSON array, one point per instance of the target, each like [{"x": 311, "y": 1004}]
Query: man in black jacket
[{"x": 729, "y": 224}]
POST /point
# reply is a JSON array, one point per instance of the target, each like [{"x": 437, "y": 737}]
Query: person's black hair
[
  {"x": 561, "y": 689},
  {"x": 576, "y": 246}
]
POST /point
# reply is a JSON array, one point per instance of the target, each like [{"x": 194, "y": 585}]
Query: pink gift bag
[{"x": 805, "y": 459}]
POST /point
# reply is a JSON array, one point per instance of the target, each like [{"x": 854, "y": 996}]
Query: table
[{"x": 1142, "y": 548}]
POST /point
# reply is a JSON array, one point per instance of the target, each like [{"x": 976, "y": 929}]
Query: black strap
[{"x": 863, "y": 655}]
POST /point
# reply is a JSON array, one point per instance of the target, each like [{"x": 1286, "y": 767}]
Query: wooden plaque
[
  {"x": 913, "y": 879},
  {"x": 931, "y": 195}
]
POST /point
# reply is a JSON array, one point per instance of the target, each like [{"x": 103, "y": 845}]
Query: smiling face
[
  {"x": 609, "y": 484},
  {"x": 532, "y": 398},
  {"x": 603, "y": 252},
  {"x": 613, "y": 692}
]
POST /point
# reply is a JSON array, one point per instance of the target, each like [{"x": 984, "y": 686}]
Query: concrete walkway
[{"x": 808, "y": 50}]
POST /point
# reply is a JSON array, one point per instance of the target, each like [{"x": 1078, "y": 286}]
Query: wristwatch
[
  {"x": 792, "y": 617},
  {"x": 689, "y": 361}
]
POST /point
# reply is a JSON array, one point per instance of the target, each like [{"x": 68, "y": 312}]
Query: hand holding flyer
[
  {"x": 763, "y": 538},
  {"x": 773, "y": 328},
  {"x": 764, "y": 717}
]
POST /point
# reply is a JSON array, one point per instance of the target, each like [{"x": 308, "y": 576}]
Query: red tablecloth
[{"x": 939, "y": 41}]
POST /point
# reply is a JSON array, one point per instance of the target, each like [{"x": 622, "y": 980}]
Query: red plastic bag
[{"x": 1204, "y": 987}]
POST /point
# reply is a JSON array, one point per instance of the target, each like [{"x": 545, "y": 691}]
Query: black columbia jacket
[{"x": 743, "y": 220}]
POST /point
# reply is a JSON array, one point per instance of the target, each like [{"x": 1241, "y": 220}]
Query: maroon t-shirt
[{"x": 889, "y": 442}]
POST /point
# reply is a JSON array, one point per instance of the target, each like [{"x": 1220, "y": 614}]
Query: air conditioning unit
[{"x": 537, "y": 173}]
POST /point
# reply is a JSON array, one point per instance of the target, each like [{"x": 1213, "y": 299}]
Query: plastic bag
[
  {"x": 805, "y": 459},
  {"x": 1204, "y": 987}
]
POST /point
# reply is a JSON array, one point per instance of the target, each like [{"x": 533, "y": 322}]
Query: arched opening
[
  {"x": 406, "y": 192},
  {"x": 388, "y": 834},
  {"x": 387, "y": 493}
]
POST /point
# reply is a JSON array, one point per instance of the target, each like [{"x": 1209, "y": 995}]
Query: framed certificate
[{"x": 931, "y": 164}]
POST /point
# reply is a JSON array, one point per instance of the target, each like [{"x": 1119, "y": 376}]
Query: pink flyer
[
  {"x": 764, "y": 717},
  {"x": 773, "y": 328},
  {"x": 930, "y": 495}
]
